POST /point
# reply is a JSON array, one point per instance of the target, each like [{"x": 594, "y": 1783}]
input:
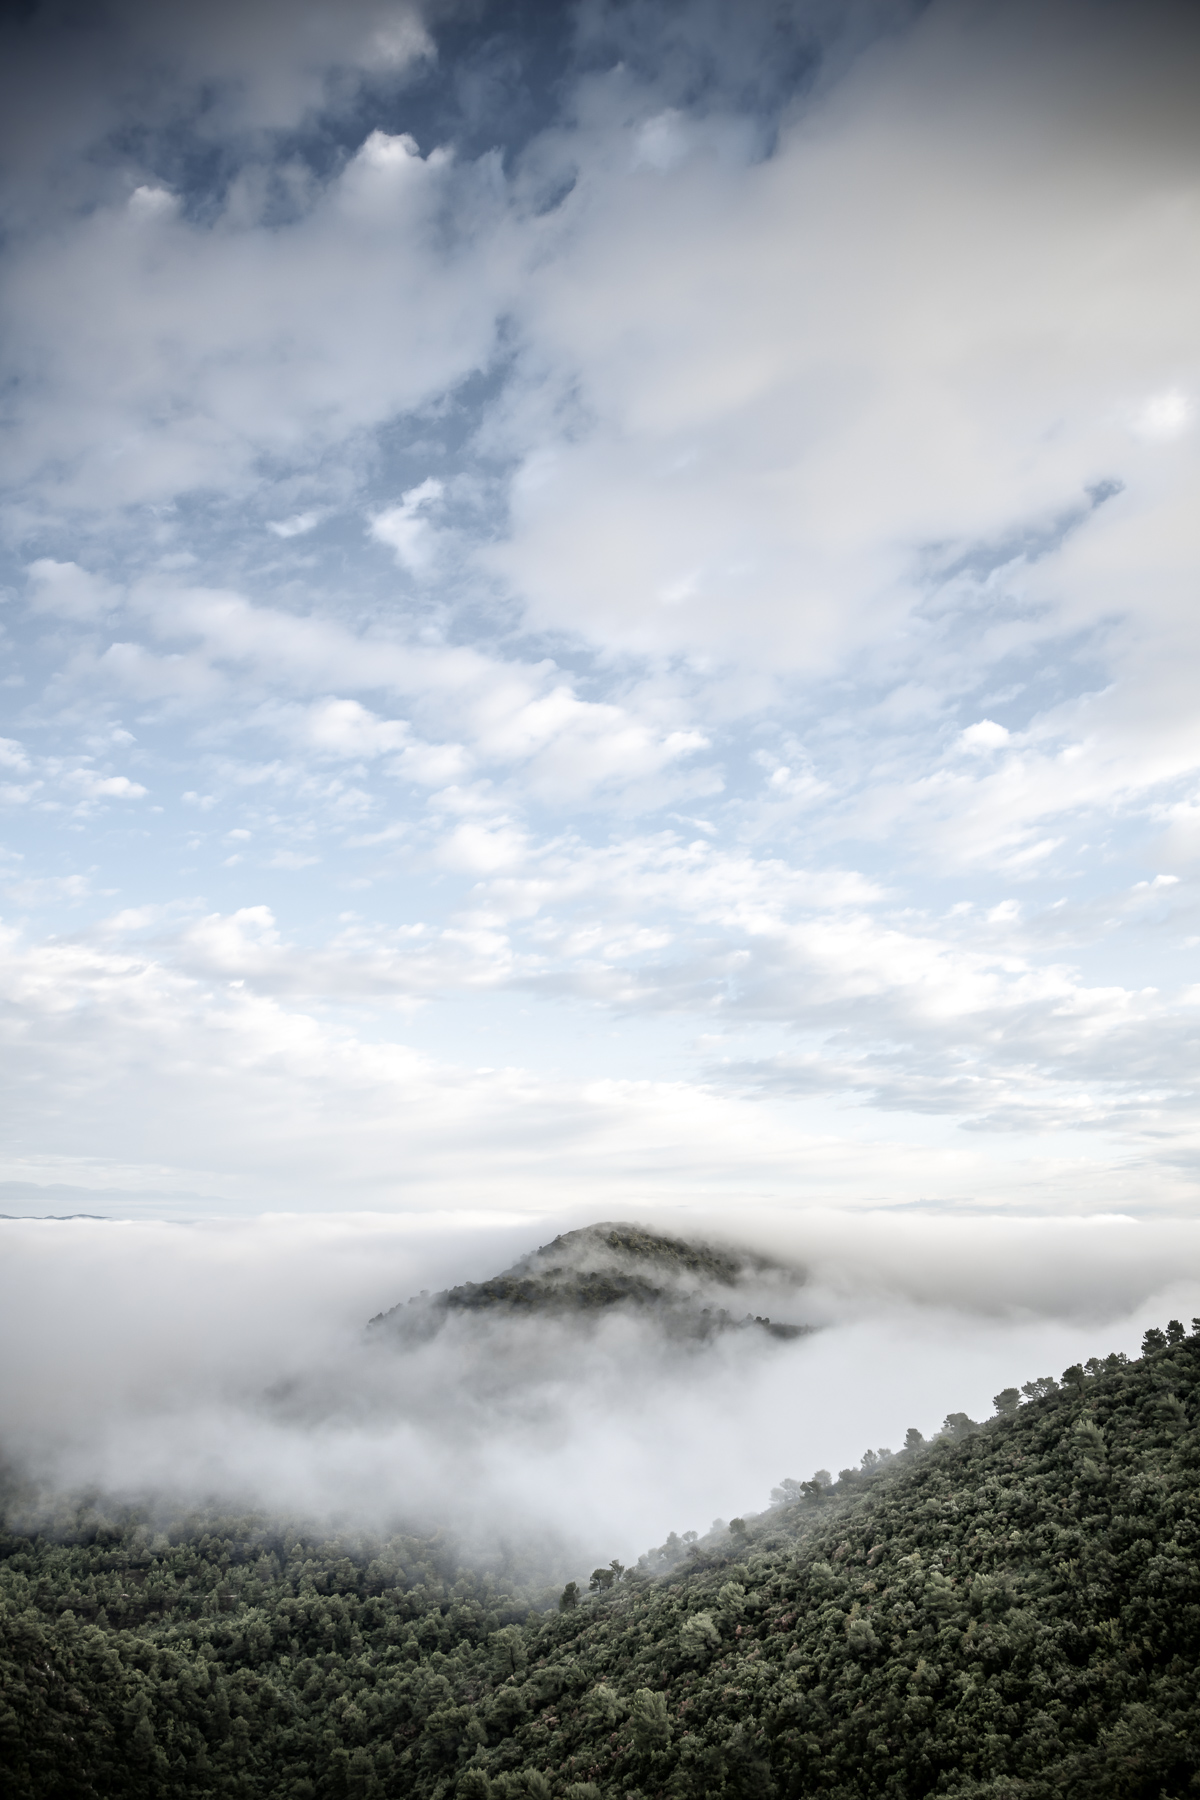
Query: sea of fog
[{"x": 226, "y": 1361}]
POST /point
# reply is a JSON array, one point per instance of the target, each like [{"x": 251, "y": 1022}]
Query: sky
[{"x": 599, "y": 609}]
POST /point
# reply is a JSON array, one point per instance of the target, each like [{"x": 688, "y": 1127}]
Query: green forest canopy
[
  {"x": 1013, "y": 1610},
  {"x": 600, "y": 1267}
]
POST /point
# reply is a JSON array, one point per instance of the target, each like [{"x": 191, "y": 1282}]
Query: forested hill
[
  {"x": 690, "y": 1289},
  {"x": 1012, "y": 1611}
]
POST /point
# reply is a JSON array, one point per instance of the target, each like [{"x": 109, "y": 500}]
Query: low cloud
[
  {"x": 285, "y": 1069},
  {"x": 229, "y": 1361}
]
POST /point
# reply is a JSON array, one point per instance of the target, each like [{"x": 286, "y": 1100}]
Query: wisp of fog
[{"x": 229, "y": 1361}]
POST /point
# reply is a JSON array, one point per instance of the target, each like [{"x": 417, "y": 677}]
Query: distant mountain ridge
[{"x": 603, "y": 1267}]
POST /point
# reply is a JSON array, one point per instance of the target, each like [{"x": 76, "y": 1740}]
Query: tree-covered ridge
[
  {"x": 1013, "y": 1611},
  {"x": 589, "y": 1271},
  {"x": 635, "y": 1244}
]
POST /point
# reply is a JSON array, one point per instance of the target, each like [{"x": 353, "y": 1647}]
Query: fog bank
[{"x": 228, "y": 1361}]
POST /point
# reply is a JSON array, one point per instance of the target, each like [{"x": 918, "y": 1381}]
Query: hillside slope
[
  {"x": 1013, "y": 1611},
  {"x": 686, "y": 1287}
]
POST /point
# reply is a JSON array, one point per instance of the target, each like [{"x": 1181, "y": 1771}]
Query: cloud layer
[
  {"x": 228, "y": 1363},
  {"x": 601, "y": 608}
]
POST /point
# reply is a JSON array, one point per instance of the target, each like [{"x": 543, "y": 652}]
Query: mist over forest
[
  {"x": 352, "y": 1561},
  {"x": 229, "y": 1362}
]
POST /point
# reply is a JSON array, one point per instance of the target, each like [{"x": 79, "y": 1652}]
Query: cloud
[
  {"x": 235, "y": 70},
  {"x": 515, "y": 714},
  {"x": 229, "y": 1021},
  {"x": 296, "y": 526},
  {"x": 205, "y": 345},
  {"x": 44, "y": 890},
  {"x": 344, "y": 728},
  {"x": 806, "y": 378},
  {"x": 1164, "y": 416},
  {"x": 95, "y": 786},
  {"x": 263, "y": 1388},
  {"x": 406, "y": 528},
  {"x": 300, "y": 1048},
  {"x": 12, "y": 755},
  {"x": 271, "y": 63},
  {"x": 986, "y": 735},
  {"x": 68, "y": 591},
  {"x": 742, "y": 680}
]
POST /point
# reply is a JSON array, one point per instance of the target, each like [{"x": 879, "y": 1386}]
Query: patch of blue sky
[{"x": 510, "y": 558}]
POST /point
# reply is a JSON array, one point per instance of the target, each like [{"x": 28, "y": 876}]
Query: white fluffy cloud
[
  {"x": 654, "y": 655},
  {"x": 120, "y": 1058},
  {"x": 908, "y": 334},
  {"x": 406, "y": 528},
  {"x": 154, "y": 354}
]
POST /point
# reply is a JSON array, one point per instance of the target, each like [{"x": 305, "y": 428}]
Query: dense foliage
[
  {"x": 596, "y": 1268},
  {"x": 1011, "y": 1611}
]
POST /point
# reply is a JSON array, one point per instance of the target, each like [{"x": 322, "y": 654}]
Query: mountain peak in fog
[{"x": 692, "y": 1288}]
